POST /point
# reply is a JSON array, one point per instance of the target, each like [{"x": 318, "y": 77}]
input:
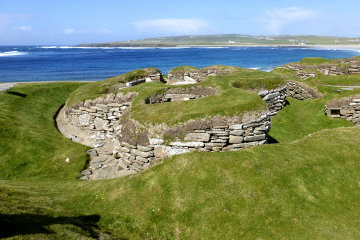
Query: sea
[{"x": 67, "y": 63}]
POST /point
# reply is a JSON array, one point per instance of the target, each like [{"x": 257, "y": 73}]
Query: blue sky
[{"x": 79, "y": 21}]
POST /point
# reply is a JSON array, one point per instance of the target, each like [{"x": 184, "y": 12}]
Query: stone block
[
  {"x": 140, "y": 153},
  {"x": 187, "y": 144},
  {"x": 237, "y": 132},
  {"x": 145, "y": 149},
  {"x": 156, "y": 141},
  {"x": 254, "y": 138},
  {"x": 162, "y": 151},
  {"x": 346, "y": 112},
  {"x": 236, "y": 127},
  {"x": 84, "y": 120},
  {"x": 235, "y": 139},
  {"x": 100, "y": 124},
  {"x": 211, "y": 145},
  {"x": 202, "y": 137}
]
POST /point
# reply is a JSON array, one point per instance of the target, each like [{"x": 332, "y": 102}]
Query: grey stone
[
  {"x": 237, "y": 132},
  {"x": 84, "y": 120},
  {"x": 127, "y": 145},
  {"x": 140, "y": 153},
  {"x": 187, "y": 144},
  {"x": 236, "y": 127},
  {"x": 211, "y": 145},
  {"x": 92, "y": 152},
  {"x": 162, "y": 151},
  {"x": 255, "y": 138},
  {"x": 235, "y": 139},
  {"x": 202, "y": 137},
  {"x": 144, "y": 149},
  {"x": 263, "y": 93},
  {"x": 176, "y": 151},
  {"x": 100, "y": 124},
  {"x": 99, "y": 144},
  {"x": 99, "y": 159},
  {"x": 142, "y": 159},
  {"x": 156, "y": 141}
]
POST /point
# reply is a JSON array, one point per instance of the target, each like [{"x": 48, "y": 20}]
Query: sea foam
[{"x": 11, "y": 53}]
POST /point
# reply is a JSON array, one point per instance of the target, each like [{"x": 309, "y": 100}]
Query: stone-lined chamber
[
  {"x": 346, "y": 108},
  {"x": 181, "y": 94},
  {"x": 104, "y": 124}
]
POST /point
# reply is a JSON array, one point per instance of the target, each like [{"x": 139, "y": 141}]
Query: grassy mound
[
  {"x": 110, "y": 85},
  {"x": 230, "y": 101}
]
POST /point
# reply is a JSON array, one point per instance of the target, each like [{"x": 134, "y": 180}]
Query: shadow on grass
[
  {"x": 271, "y": 140},
  {"x": 55, "y": 117},
  {"x": 16, "y": 94},
  {"x": 23, "y": 224}
]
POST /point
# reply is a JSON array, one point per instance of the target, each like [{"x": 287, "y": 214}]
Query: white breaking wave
[
  {"x": 11, "y": 53},
  {"x": 49, "y": 47}
]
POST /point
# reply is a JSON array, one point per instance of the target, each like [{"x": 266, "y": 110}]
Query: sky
[{"x": 69, "y": 22}]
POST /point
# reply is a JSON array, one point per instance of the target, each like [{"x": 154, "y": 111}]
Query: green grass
[
  {"x": 305, "y": 187},
  {"x": 30, "y": 144},
  {"x": 315, "y": 61},
  {"x": 182, "y": 69}
]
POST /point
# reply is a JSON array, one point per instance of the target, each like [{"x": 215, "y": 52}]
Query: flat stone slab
[{"x": 6, "y": 86}]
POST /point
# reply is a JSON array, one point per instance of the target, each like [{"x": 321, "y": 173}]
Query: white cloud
[
  {"x": 276, "y": 20},
  {"x": 96, "y": 31},
  {"x": 172, "y": 26},
  {"x": 69, "y": 31},
  {"x": 22, "y": 28}
]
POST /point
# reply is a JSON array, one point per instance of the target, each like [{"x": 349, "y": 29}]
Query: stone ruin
[
  {"x": 348, "y": 66},
  {"x": 122, "y": 146},
  {"x": 181, "y": 94},
  {"x": 346, "y": 108},
  {"x": 190, "y": 75}
]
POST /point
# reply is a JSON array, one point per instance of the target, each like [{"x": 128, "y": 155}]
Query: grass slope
[{"x": 302, "y": 189}]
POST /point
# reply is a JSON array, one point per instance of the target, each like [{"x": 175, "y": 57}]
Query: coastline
[{"x": 322, "y": 46}]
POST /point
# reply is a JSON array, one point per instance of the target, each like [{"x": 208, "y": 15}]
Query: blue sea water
[{"x": 53, "y": 63}]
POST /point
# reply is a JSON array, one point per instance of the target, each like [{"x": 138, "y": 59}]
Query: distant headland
[{"x": 233, "y": 40}]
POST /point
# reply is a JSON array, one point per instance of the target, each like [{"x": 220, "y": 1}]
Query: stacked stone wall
[
  {"x": 111, "y": 157},
  {"x": 300, "y": 91}
]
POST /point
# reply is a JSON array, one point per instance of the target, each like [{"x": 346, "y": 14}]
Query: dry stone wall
[
  {"x": 275, "y": 99},
  {"x": 110, "y": 157},
  {"x": 300, "y": 91},
  {"x": 345, "y": 108}
]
